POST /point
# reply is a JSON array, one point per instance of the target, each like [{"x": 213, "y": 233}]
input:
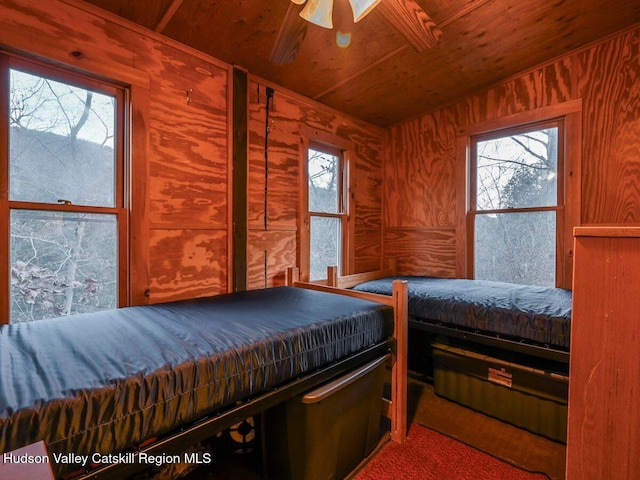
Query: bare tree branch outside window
[
  {"x": 517, "y": 172},
  {"x": 325, "y": 212},
  {"x": 61, "y": 141}
]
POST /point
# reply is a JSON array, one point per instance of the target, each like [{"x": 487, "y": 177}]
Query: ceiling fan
[{"x": 405, "y": 15}]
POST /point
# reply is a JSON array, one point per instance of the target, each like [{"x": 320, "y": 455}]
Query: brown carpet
[
  {"x": 511, "y": 444},
  {"x": 428, "y": 455}
]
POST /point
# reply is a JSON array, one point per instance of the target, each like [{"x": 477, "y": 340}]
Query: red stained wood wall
[
  {"x": 180, "y": 152},
  {"x": 181, "y": 176},
  {"x": 272, "y": 248},
  {"x": 422, "y": 218}
]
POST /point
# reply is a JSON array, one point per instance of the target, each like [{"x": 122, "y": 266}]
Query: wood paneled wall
[
  {"x": 420, "y": 195},
  {"x": 274, "y": 180},
  {"x": 179, "y": 173},
  {"x": 422, "y": 168},
  {"x": 181, "y": 176}
]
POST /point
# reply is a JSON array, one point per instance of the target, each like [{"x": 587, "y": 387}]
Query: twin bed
[
  {"x": 524, "y": 319},
  {"x": 154, "y": 379},
  {"x": 499, "y": 348}
]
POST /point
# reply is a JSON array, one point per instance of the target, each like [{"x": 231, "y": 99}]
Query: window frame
[
  {"x": 342, "y": 149},
  {"x": 569, "y": 181},
  {"x": 120, "y": 209},
  {"x": 558, "y": 208}
]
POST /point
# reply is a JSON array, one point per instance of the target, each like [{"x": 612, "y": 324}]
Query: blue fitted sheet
[
  {"x": 104, "y": 381},
  {"x": 522, "y": 312}
]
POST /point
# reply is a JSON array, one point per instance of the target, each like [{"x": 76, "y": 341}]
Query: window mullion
[
  {"x": 516, "y": 210},
  {"x": 4, "y": 191},
  {"x": 13, "y": 205},
  {"x": 326, "y": 214}
]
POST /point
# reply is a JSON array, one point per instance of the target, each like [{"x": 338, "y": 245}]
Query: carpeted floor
[
  {"x": 428, "y": 455},
  {"x": 501, "y": 440}
]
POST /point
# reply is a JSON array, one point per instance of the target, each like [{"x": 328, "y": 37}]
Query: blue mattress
[
  {"x": 104, "y": 381},
  {"x": 540, "y": 315}
]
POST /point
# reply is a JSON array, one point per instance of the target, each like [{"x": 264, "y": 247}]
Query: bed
[
  {"x": 499, "y": 348},
  {"x": 152, "y": 379},
  {"x": 528, "y": 320}
]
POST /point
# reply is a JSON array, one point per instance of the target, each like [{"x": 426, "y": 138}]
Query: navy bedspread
[
  {"x": 103, "y": 381},
  {"x": 531, "y": 313}
]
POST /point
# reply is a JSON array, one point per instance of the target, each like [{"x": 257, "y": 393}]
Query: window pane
[
  {"x": 61, "y": 143},
  {"x": 324, "y": 171},
  {"x": 325, "y": 246},
  {"x": 62, "y": 264},
  {"x": 516, "y": 248},
  {"x": 518, "y": 171}
]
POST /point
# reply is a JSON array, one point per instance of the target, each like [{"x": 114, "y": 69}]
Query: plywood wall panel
[
  {"x": 522, "y": 94},
  {"x": 419, "y": 251},
  {"x": 269, "y": 255},
  {"x": 609, "y": 82},
  {"x": 420, "y": 172},
  {"x": 187, "y": 264},
  {"x": 368, "y": 252},
  {"x": 559, "y": 83},
  {"x": 53, "y": 30},
  {"x": 367, "y": 185},
  {"x": 541, "y": 87},
  {"x": 188, "y": 168},
  {"x": 290, "y": 118},
  {"x": 179, "y": 151},
  {"x": 604, "y": 78},
  {"x": 367, "y": 199},
  {"x": 175, "y": 70},
  {"x": 274, "y": 167}
]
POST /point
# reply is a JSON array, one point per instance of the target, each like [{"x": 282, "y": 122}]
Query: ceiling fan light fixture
[
  {"x": 318, "y": 12},
  {"x": 362, "y": 7}
]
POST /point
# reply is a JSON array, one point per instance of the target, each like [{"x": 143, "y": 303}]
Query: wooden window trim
[
  {"x": 571, "y": 113},
  {"x": 120, "y": 209},
  {"x": 343, "y": 148}
]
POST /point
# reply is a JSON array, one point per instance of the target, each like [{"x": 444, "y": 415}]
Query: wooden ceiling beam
[
  {"x": 290, "y": 37},
  {"x": 168, "y": 15},
  {"x": 462, "y": 13},
  {"x": 412, "y": 22}
]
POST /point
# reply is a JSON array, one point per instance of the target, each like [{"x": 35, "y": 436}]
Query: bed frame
[
  {"x": 468, "y": 336},
  {"x": 396, "y": 407}
]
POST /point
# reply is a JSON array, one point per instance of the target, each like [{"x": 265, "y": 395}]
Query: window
[
  {"x": 517, "y": 204},
  {"x": 326, "y": 211},
  {"x": 64, "y": 214}
]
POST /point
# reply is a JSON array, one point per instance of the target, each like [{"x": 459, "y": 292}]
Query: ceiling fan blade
[
  {"x": 290, "y": 36},
  {"x": 412, "y": 22}
]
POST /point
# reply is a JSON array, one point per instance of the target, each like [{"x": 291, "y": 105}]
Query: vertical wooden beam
[
  {"x": 292, "y": 276},
  {"x": 239, "y": 174},
  {"x": 304, "y": 228},
  {"x": 349, "y": 208},
  {"x": 5, "y": 294},
  {"x": 332, "y": 276},
  {"x": 399, "y": 368}
]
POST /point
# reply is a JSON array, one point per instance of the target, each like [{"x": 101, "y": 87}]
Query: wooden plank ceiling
[{"x": 379, "y": 77}]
